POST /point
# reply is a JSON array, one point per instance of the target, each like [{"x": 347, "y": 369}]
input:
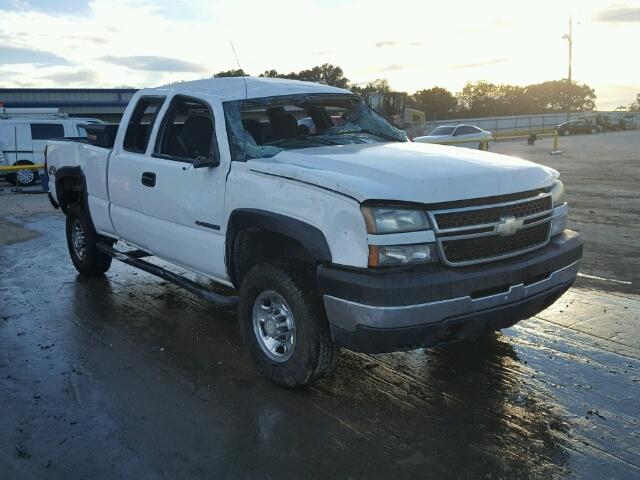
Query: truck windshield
[{"x": 263, "y": 127}]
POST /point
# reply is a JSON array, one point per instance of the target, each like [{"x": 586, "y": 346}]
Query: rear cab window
[{"x": 141, "y": 123}]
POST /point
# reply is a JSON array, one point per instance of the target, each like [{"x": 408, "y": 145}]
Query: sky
[{"x": 414, "y": 44}]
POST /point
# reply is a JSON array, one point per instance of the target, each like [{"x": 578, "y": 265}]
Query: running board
[{"x": 133, "y": 259}]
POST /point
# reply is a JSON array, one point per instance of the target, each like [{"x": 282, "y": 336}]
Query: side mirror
[{"x": 210, "y": 161}]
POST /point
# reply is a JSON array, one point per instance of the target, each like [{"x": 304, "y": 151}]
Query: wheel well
[
  {"x": 252, "y": 246},
  {"x": 70, "y": 190}
]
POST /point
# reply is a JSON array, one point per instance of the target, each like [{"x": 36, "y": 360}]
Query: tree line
[{"x": 476, "y": 99}]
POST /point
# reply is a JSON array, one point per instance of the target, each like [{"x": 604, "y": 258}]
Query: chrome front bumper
[{"x": 349, "y": 315}]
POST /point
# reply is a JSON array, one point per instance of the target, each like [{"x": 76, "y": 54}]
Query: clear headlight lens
[
  {"x": 557, "y": 194},
  {"x": 395, "y": 255},
  {"x": 394, "y": 220}
]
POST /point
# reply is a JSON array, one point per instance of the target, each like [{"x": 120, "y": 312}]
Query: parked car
[
  {"x": 24, "y": 133},
  {"x": 455, "y": 133},
  {"x": 350, "y": 237},
  {"x": 577, "y": 126}
]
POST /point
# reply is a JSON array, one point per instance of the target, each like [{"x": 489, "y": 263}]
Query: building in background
[{"x": 106, "y": 104}]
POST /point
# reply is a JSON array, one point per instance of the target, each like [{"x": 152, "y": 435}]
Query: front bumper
[{"x": 385, "y": 311}]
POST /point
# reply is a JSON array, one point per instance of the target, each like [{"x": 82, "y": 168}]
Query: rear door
[
  {"x": 8, "y": 142},
  {"x": 24, "y": 145},
  {"x": 164, "y": 204}
]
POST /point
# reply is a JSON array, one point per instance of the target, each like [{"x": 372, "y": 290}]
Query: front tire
[
  {"x": 82, "y": 242},
  {"x": 284, "y": 326}
]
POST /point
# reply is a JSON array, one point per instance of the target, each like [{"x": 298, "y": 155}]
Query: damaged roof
[{"x": 235, "y": 88}]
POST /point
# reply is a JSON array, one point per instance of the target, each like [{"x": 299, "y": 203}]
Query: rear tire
[
  {"x": 23, "y": 178},
  {"x": 82, "y": 242},
  {"x": 284, "y": 326}
]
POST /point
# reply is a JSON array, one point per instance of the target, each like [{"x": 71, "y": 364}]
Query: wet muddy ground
[{"x": 129, "y": 376}]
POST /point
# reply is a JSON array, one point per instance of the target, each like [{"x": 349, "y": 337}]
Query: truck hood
[{"x": 406, "y": 171}]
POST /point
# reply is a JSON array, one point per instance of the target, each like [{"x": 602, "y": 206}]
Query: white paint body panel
[
  {"x": 323, "y": 187},
  {"x": 408, "y": 171}
]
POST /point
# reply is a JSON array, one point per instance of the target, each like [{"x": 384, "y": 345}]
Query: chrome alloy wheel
[
  {"x": 274, "y": 326},
  {"x": 78, "y": 239},
  {"x": 25, "y": 177}
]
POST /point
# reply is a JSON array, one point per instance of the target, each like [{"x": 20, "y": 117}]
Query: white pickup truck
[{"x": 334, "y": 229}]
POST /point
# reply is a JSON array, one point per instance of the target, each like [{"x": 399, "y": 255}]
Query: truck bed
[{"x": 69, "y": 155}]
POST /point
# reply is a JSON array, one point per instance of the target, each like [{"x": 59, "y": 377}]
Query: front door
[{"x": 159, "y": 200}]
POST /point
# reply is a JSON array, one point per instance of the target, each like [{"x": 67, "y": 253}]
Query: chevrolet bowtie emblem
[{"x": 508, "y": 226}]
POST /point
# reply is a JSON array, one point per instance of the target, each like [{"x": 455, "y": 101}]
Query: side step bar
[{"x": 133, "y": 258}]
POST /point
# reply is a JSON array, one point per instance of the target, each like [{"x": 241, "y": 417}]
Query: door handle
[{"x": 149, "y": 179}]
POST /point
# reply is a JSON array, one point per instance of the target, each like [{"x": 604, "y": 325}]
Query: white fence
[{"x": 522, "y": 123}]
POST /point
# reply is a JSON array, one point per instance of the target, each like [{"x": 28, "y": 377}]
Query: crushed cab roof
[{"x": 239, "y": 88}]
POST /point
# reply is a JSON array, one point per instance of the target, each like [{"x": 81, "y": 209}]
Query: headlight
[
  {"x": 557, "y": 194},
  {"x": 395, "y": 255},
  {"x": 394, "y": 220}
]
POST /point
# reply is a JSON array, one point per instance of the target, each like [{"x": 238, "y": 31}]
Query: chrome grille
[{"x": 485, "y": 233}]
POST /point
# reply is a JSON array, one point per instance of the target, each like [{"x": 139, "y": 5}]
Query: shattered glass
[{"x": 358, "y": 124}]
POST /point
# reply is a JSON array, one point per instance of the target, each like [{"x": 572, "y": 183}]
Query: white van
[{"x": 24, "y": 133}]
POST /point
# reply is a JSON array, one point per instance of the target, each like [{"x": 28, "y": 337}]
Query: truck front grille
[
  {"x": 490, "y": 247},
  {"x": 483, "y": 216},
  {"x": 486, "y": 233}
]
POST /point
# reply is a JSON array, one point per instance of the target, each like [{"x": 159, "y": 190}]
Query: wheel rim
[
  {"x": 25, "y": 177},
  {"x": 274, "y": 326},
  {"x": 78, "y": 239}
]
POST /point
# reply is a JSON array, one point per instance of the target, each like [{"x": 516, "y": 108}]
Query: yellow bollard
[{"x": 555, "y": 150}]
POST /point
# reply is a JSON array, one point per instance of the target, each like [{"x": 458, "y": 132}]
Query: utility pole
[{"x": 569, "y": 38}]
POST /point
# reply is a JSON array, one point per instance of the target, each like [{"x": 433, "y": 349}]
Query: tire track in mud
[{"x": 539, "y": 385}]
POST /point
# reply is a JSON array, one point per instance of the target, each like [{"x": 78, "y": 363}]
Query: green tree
[
  {"x": 561, "y": 96},
  {"x": 327, "y": 74},
  {"x": 272, "y": 74},
  {"x": 437, "y": 103},
  {"x": 480, "y": 99},
  {"x": 230, "y": 73}
]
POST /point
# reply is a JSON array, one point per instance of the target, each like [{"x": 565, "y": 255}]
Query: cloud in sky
[
  {"x": 155, "y": 42},
  {"x": 51, "y": 7},
  {"x": 481, "y": 64},
  {"x": 155, "y": 64},
  {"x": 618, "y": 15},
  {"x": 72, "y": 77},
  {"x": 393, "y": 67},
  {"x": 18, "y": 55}
]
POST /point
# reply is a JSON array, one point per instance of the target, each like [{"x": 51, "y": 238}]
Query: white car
[
  {"x": 350, "y": 237},
  {"x": 454, "y": 134}
]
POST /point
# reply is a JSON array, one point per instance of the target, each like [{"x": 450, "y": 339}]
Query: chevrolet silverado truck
[{"x": 330, "y": 227}]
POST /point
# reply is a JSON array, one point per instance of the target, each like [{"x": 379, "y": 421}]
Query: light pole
[{"x": 569, "y": 38}]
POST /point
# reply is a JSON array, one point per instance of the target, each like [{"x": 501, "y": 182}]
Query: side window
[
  {"x": 45, "y": 131},
  {"x": 187, "y": 131},
  {"x": 466, "y": 130},
  {"x": 141, "y": 123}
]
